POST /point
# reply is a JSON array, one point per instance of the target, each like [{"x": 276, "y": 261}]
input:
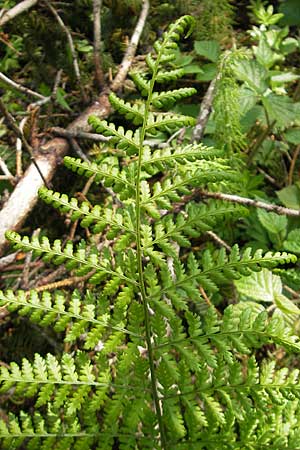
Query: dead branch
[
  {"x": 25, "y": 194},
  {"x": 131, "y": 49},
  {"x": 250, "y": 202},
  {"x": 205, "y": 111},
  {"x": 64, "y": 283},
  {"x": 218, "y": 240},
  {"x": 19, "y": 133},
  {"x": 6, "y": 170},
  {"x": 97, "y": 42},
  {"x": 16, "y": 10},
  {"x": 8, "y": 259}
]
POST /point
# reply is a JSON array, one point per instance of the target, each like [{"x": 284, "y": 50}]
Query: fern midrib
[{"x": 140, "y": 260}]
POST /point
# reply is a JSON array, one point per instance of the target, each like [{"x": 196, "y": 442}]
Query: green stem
[{"x": 140, "y": 265}]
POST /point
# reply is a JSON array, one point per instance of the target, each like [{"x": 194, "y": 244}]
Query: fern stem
[{"x": 140, "y": 265}]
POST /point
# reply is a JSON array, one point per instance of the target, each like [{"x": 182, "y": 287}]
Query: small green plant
[{"x": 149, "y": 364}]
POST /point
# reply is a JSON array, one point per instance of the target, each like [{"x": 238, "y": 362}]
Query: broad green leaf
[
  {"x": 293, "y": 136},
  {"x": 289, "y": 45},
  {"x": 192, "y": 68},
  {"x": 253, "y": 74},
  {"x": 280, "y": 109},
  {"x": 247, "y": 99},
  {"x": 272, "y": 222},
  {"x": 264, "y": 54},
  {"x": 251, "y": 116},
  {"x": 291, "y": 11},
  {"x": 182, "y": 60},
  {"x": 284, "y": 77},
  {"x": 290, "y": 196},
  {"x": 260, "y": 286},
  {"x": 209, "y": 71},
  {"x": 292, "y": 243},
  {"x": 208, "y": 49}
]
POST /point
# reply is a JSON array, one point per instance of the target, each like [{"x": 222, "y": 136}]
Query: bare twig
[
  {"x": 5, "y": 169},
  {"x": 72, "y": 48},
  {"x": 56, "y": 83},
  {"x": 205, "y": 111},
  {"x": 131, "y": 49},
  {"x": 64, "y": 283},
  {"x": 21, "y": 88},
  {"x": 76, "y": 147},
  {"x": 293, "y": 163},
  {"x": 219, "y": 241},
  {"x": 18, "y": 132},
  {"x": 295, "y": 294},
  {"x": 171, "y": 138},
  {"x": 16, "y": 10},
  {"x": 6, "y": 42},
  {"x": 78, "y": 134},
  {"x": 97, "y": 42},
  {"x": 25, "y": 196},
  {"x": 250, "y": 202},
  {"x": 6, "y": 260},
  {"x": 268, "y": 177},
  {"x": 19, "y": 169},
  {"x": 52, "y": 276}
]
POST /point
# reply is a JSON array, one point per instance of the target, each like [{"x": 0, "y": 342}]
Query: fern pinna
[{"x": 150, "y": 365}]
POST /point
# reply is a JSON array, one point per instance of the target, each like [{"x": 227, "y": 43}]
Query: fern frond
[
  {"x": 167, "y": 158},
  {"x": 75, "y": 317},
  {"x": 147, "y": 363},
  {"x": 141, "y": 82},
  {"x": 170, "y": 75},
  {"x": 168, "y": 122},
  {"x": 134, "y": 113},
  {"x": 181, "y": 184},
  {"x": 125, "y": 140},
  {"x": 95, "y": 215},
  {"x": 166, "y": 99},
  {"x": 108, "y": 174},
  {"x": 36, "y": 431},
  {"x": 80, "y": 260},
  {"x": 220, "y": 270}
]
